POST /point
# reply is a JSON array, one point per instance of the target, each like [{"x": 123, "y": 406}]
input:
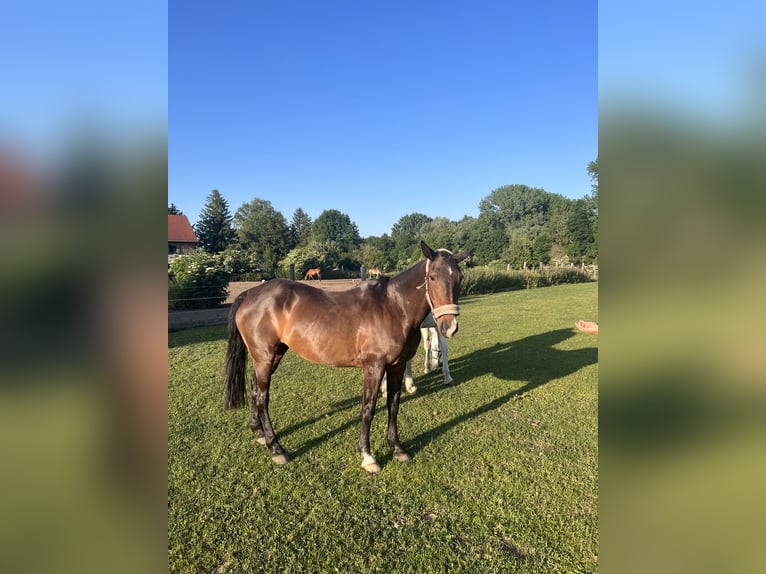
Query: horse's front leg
[
  {"x": 394, "y": 375},
  {"x": 445, "y": 362},
  {"x": 372, "y": 376},
  {"x": 425, "y": 335}
]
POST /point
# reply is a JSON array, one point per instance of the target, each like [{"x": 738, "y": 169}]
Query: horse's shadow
[{"x": 533, "y": 359}]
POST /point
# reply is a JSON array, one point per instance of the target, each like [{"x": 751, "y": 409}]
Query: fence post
[
  {"x": 292, "y": 271},
  {"x": 363, "y": 272}
]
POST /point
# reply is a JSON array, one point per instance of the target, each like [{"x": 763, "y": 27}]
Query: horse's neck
[{"x": 409, "y": 287}]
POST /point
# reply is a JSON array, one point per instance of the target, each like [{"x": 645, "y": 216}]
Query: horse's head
[{"x": 443, "y": 277}]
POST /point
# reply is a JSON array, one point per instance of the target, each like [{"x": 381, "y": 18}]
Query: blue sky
[
  {"x": 81, "y": 63},
  {"x": 703, "y": 61},
  {"x": 379, "y": 109}
]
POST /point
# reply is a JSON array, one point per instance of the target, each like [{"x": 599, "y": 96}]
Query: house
[{"x": 181, "y": 237}]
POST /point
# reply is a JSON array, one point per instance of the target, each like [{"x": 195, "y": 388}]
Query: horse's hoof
[
  {"x": 449, "y": 383},
  {"x": 402, "y": 457},
  {"x": 370, "y": 464},
  {"x": 261, "y": 440},
  {"x": 412, "y": 390},
  {"x": 280, "y": 459}
]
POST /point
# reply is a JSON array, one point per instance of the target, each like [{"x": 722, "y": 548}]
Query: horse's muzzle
[
  {"x": 446, "y": 319},
  {"x": 447, "y": 325}
]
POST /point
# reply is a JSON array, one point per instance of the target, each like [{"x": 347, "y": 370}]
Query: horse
[
  {"x": 374, "y": 273},
  {"x": 316, "y": 272},
  {"x": 374, "y": 326},
  {"x": 435, "y": 347}
]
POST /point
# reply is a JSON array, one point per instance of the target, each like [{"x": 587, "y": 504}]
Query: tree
[
  {"x": 376, "y": 252},
  {"x": 173, "y": 210},
  {"x": 263, "y": 232},
  {"x": 300, "y": 228},
  {"x": 486, "y": 238},
  {"x": 338, "y": 233},
  {"x": 518, "y": 207},
  {"x": 405, "y": 234},
  {"x": 439, "y": 233},
  {"x": 214, "y": 230},
  {"x": 581, "y": 238},
  {"x": 593, "y": 208},
  {"x": 305, "y": 257},
  {"x": 593, "y": 173},
  {"x": 541, "y": 249},
  {"x": 559, "y": 209},
  {"x": 520, "y": 251}
]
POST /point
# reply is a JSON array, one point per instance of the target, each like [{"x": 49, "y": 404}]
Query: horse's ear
[
  {"x": 427, "y": 251},
  {"x": 462, "y": 255}
]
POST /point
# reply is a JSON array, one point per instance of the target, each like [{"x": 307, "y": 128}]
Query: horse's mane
[{"x": 378, "y": 286}]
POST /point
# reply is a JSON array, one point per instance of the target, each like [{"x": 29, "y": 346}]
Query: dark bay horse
[{"x": 375, "y": 327}]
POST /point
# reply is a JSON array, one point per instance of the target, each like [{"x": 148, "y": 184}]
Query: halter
[{"x": 449, "y": 309}]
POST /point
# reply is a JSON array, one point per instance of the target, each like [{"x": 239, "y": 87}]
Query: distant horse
[
  {"x": 435, "y": 347},
  {"x": 316, "y": 272},
  {"x": 375, "y": 327},
  {"x": 374, "y": 273}
]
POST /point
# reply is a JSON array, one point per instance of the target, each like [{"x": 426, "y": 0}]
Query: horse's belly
[{"x": 324, "y": 353}]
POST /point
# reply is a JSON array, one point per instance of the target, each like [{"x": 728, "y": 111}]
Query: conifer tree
[{"x": 214, "y": 230}]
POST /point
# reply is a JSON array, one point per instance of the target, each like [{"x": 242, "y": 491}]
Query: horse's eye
[{"x": 432, "y": 277}]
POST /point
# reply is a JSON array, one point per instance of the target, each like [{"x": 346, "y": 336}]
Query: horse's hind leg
[
  {"x": 255, "y": 420},
  {"x": 263, "y": 371}
]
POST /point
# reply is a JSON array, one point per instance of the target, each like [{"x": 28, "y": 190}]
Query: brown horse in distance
[
  {"x": 315, "y": 273},
  {"x": 374, "y": 326}
]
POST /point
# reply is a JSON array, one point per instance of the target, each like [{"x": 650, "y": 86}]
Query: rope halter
[{"x": 449, "y": 309}]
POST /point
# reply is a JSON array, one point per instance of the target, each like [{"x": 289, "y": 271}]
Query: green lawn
[{"x": 504, "y": 475}]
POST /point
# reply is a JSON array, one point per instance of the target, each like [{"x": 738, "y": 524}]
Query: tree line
[{"x": 517, "y": 225}]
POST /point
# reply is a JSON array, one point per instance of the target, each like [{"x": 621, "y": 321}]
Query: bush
[
  {"x": 197, "y": 280},
  {"x": 480, "y": 280}
]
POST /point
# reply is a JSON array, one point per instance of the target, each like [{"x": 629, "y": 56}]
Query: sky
[
  {"x": 700, "y": 61},
  {"x": 81, "y": 65},
  {"x": 379, "y": 109}
]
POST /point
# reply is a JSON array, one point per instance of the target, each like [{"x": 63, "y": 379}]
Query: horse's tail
[{"x": 236, "y": 361}]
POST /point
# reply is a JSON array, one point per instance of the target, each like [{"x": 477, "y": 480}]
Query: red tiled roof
[{"x": 179, "y": 229}]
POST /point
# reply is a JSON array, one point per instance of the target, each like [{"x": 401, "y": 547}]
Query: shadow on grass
[{"x": 532, "y": 359}]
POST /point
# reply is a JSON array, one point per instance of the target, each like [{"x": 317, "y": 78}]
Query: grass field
[{"x": 504, "y": 475}]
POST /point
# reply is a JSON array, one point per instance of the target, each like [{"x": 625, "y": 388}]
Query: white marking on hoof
[
  {"x": 280, "y": 459},
  {"x": 402, "y": 457},
  {"x": 412, "y": 390},
  {"x": 370, "y": 464},
  {"x": 261, "y": 440},
  {"x": 449, "y": 381}
]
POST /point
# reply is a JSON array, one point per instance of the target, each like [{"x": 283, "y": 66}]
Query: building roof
[{"x": 179, "y": 229}]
